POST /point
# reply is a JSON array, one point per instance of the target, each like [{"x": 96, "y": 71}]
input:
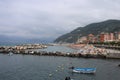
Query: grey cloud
[{"x": 52, "y": 18}]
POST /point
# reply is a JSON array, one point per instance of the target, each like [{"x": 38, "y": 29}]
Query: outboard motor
[
  {"x": 67, "y": 78},
  {"x": 71, "y": 67},
  {"x": 119, "y": 65}
]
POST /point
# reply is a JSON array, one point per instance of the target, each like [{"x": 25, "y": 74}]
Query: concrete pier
[{"x": 113, "y": 54}]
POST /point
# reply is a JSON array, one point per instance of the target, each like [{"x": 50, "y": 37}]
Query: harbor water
[
  {"x": 33, "y": 67},
  {"x": 56, "y": 49}
]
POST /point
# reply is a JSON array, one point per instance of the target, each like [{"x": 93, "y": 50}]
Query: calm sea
[{"x": 31, "y": 67}]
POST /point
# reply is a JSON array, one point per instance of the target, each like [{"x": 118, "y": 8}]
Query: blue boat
[{"x": 84, "y": 70}]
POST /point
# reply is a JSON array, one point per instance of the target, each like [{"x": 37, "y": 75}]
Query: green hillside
[{"x": 94, "y": 28}]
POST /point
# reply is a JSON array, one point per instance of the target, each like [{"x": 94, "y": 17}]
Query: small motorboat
[{"x": 85, "y": 70}]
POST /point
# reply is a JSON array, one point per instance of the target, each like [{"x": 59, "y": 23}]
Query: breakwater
[
  {"x": 45, "y": 53},
  {"x": 87, "y": 51},
  {"x": 23, "y": 47},
  {"x": 28, "y": 51}
]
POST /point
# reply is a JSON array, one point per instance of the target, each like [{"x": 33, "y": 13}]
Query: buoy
[
  {"x": 56, "y": 70},
  {"x": 50, "y": 75},
  {"x": 59, "y": 66},
  {"x": 62, "y": 64}
]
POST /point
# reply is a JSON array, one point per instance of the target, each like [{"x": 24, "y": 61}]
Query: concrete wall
[{"x": 113, "y": 55}]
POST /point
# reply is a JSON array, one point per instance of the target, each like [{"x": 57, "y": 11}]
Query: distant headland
[{"x": 109, "y": 28}]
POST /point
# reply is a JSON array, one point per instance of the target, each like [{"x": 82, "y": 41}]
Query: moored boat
[{"x": 84, "y": 70}]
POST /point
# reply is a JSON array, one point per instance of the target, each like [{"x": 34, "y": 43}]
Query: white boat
[{"x": 84, "y": 70}]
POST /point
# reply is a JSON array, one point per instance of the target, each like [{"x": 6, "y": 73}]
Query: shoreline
[
  {"x": 43, "y": 53},
  {"x": 83, "y": 50}
]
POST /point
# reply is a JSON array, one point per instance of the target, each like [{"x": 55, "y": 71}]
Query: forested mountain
[{"x": 94, "y": 28}]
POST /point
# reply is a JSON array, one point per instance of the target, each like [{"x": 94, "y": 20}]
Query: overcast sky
[{"x": 52, "y": 18}]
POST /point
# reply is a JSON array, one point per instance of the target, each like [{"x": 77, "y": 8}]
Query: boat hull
[{"x": 85, "y": 70}]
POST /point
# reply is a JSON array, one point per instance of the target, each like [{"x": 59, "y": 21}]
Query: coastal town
[
  {"x": 59, "y": 39},
  {"x": 90, "y": 46},
  {"x": 102, "y": 37}
]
